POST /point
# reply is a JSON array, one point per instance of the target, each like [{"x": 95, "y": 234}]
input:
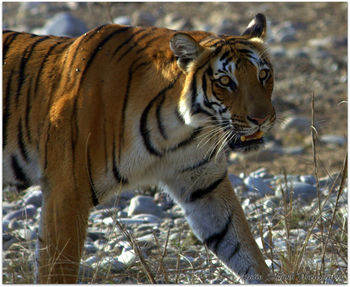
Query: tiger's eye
[
  {"x": 263, "y": 74},
  {"x": 225, "y": 80}
]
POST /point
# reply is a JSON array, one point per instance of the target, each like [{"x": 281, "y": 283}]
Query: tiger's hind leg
[{"x": 62, "y": 233}]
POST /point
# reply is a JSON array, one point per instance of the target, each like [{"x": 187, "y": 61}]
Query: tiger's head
[{"x": 229, "y": 82}]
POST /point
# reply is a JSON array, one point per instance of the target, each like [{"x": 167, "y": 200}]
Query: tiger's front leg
[{"x": 217, "y": 219}]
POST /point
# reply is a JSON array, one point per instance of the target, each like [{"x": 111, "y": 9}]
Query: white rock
[
  {"x": 64, "y": 24},
  {"x": 144, "y": 204},
  {"x": 127, "y": 257},
  {"x": 258, "y": 185}
]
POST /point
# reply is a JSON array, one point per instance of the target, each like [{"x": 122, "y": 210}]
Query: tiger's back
[
  {"x": 63, "y": 80},
  {"x": 121, "y": 107}
]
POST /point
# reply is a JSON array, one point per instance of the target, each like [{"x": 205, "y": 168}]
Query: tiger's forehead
[{"x": 230, "y": 53}]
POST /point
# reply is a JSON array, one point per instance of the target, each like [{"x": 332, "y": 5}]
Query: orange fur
[{"x": 82, "y": 114}]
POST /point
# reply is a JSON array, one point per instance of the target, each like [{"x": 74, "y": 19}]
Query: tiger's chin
[{"x": 246, "y": 146}]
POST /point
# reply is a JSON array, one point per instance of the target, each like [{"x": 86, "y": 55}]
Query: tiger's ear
[
  {"x": 256, "y": 28},
  {"x": 185, "y": 48}
]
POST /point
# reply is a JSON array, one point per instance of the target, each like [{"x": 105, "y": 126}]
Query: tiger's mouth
[{"x": 247, "y": 142}]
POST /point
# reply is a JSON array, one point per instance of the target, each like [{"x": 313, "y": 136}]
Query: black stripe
[
  {"x": 6, "y": 109},
  {"x": 245, "y": 51},
  {"x": 137, "y": 41},
  {"x": 194, "y": 86},
  {"x": 125, "y": 103},
  {"x": 20, "y": 140},
  {"x": 185, "y": 142},
  {"x": 145, "y": 132},
  {"x": 25, "y": 58},
  {"x": 92, "y": 185},
  {"x": 210, "y": 71},
  {"x": 19, "y": 173},
  {"x": 28, "y": 108},
  {"x": 42, "y": 66},
  {"x": 199, "y": 110},
  {"x": 215, "y": 239},
  {"x": 46, "y": 145},
  {"x": 126, "y": 100},
  {"x": 7, "y": 31},
  {"x": 126, "y": 42},
  {"x": 199, "y": 193},
  {"x": 217, "y": 51},
  {"x": 194, "y": 92},
  {"x": 159, "y": 118},
  {"x": 224, "y": 55},
  {"x": 246, "y": 272},
  {"x": 204, "y": 87},
  {"x": 235, "y": 250},
  {"x": 98, "y": 48},
  {"x": 147, "y": 45},
  {"x": 105, "y": 143},
  {"x": 116, "y": 173},
  {"x": 228, "y": 60},
  {"x": 74, "y": 128},
  {"x": 199, "y": 164},
  {"x": 179, "y": 116},
  {"x": 83, "y": 40},
  {"x": 8, "y": 42}
]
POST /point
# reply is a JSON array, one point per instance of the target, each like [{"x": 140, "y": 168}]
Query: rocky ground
[{"x": 308, "y": 46}]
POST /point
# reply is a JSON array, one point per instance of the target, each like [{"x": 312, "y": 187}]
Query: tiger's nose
[{"x": 257, "y": 121}]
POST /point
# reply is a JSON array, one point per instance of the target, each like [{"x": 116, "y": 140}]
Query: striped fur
[{"x": 122, "y": 107}]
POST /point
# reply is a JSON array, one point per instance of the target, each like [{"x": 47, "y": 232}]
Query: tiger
[{"x": 123, "y": 107}]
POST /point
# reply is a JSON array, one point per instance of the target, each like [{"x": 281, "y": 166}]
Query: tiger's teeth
[{"x": 256, "y": 135}]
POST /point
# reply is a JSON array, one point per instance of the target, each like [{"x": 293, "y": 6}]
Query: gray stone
[
  {"x": 278, "y": 52},
  {"x": 333, "y": 140},
  {"x": 323, "y": 42},
  {"x": 23, "y": 213},
  {"x": 261, "y": 172},
  {"x": 285, "y": 32},
  {"x": 292, "y": 150},
  {"x": 90, "y": 248},
  {"x": 91, "y": 260},
  {"x": 64, "y": 24},
  {"x": 15, "y": 224},
  {"x": 33, "y": 196},
  {"x": 148, "y": 218},
  {"x": 235, "y": 180},
  {"x": 298, "y": 123},
  {"x": 5, "y": 226},
  {"x": 310, "y": 179},
  {"x": 227, "y": 27},
  {"x": 175, "y": 21},
  {"x": 7, "y": 244},
  {"x": 122, "y": 20},
  {"x": 143, "y": 18},
  {"x": 27, "y": 234},
  {"x": 258, "y": 185},
  {"x": 8, "y": 207},
  {"x": 110, "y": 263},
  {"x": 127, "y": 257},
  {"x": 95, "y": 235},
  {"x": 303, "y": 52},
  {"x": 144, "y": 204},
  {"x": 303, "y": 191}
]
